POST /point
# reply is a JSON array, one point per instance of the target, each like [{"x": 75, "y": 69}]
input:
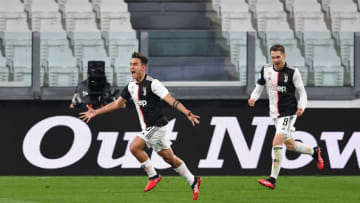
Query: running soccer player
[
  {"x": 281, "y": 81},
  {"x": 147, "y": 94}
]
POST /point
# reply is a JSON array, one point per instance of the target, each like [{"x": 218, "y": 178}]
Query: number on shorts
[{"x": 286, "y": 120}]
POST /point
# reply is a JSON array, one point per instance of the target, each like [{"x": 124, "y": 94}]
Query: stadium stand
[
  {"x": 194, "y": 37},
  {"x": 120, "y": 38},
  {"x": 4, "y": 71},
  {"x": 85, "y": 37},
  {"x": 235, "y": 24},
  {"x": 16, "y": 41},
  {"x": 57, "y": 63},
  {"x": 113, "y": 42},
  {"x": 345, "y": 19},
  {"x": 211, "y": 32},
  {"x": 322, "y": 60}
]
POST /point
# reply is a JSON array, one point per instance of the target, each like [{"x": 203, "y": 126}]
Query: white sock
[
  {"x": 276, "y": 164},
  {"x": 303, "y": 149},
  {"x": 149, "y": 168},
  {"x": 184, "y": 172}
]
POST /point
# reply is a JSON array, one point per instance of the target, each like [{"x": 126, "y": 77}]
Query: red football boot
[
  {"x": 195, "y": 187},
  {"x": 152, "y": 183},
  {"x": 318, "y": 158},
  {"x": 267, "y": 183}
]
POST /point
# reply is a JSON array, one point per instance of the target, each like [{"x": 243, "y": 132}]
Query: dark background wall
[{"x": 192, "y": 144}]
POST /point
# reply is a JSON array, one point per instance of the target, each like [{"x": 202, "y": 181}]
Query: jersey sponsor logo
[
  {"x": 144, "y": 91},
  {"x": 286, "y": 77},
  {"x": 281, "y": 89},
  {"x": 142, "y": 103}
]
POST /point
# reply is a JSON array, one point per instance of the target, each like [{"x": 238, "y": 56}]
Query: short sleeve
[
  {"x": 159, "y": 89},
  {"x": 125, "y": 93},
  {"x": 261, "y": 79}
]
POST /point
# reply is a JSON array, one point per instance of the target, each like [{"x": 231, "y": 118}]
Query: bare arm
[
  {"x": 180, "y": 107},
  {"x": 91, "y": 113}
]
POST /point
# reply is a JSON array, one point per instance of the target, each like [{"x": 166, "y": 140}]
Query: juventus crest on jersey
[
  {"x": 281, "y": 86},
  {"x": 147, "y": 96}
]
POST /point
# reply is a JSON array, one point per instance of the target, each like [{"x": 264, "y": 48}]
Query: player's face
[
  {"x": 137, "y": 69},
  {"x": 278, "y": 59}
]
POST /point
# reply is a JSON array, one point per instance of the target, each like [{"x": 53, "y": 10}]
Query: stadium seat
[
  {"x": 112, "y": 9},
  {"x": 87, "y": 47},
  {"x": 17, "y": 45},
  {"x": 61, "y": 65},
  {"x": 288, "y": 5},
  {"x": 4, "y": 71},
  {"x": 10, "y": 10},
  {"x": 57, "y": 62},
  {"x": 237, "y": 41},
  {"x": 43, "y": 6},
  {"x": 11, "y": 6},
  {"x": 316, "y": 40},
  {"x": 345, "y": 20},
  {"x": 82, "y": 31},
  {"x": 235, "y": 16},
  {"x": 344, "y": 16},
  {"x": 326, "y": 64},
  {"x": 77, "y": 6},
  {"x": 22, "y": 59},
  {"x": 119, "y": 36},
  {"x": 95, "y": 3},
  {"x": 325, "y": 5},
  {"x": 236, "y": 21},
  {"x": 261, "y": 58},
  {"x": 267, "y": 6},
  {"x": 308, "y": 17},
  {"x": 41, "y": 10}
]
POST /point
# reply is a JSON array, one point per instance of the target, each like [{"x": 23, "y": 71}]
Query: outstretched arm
[
  {"x": 91, "y": 113},
  {"x": 180, "y": 107}
]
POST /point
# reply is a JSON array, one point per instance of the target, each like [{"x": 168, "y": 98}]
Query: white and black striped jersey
[
  {"x": 147, "y": 96},
  {"x": 281, "y": 86}
]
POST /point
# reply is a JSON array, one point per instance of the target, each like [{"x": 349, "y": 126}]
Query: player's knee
[
  {"x": 168, "y": 160},
  {"x": 134, "y": 148},
  {"x": 290, "y": 146}
]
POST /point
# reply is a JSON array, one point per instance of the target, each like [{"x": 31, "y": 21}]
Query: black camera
[
  {"x": 94, "y": 91},
  {"x": 96, "y": 77}
]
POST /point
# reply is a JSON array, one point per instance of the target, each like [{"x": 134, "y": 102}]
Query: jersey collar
[{"x": 142, "y": 80}]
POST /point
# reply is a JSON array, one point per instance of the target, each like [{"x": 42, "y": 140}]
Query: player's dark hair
[
  {"x": 278, "y": 47},
  {"x": 140, "y": 56}
]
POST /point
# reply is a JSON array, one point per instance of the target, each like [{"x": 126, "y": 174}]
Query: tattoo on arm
[{"x": 175, "y": 104}]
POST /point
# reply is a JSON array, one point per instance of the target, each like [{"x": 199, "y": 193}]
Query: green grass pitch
[{"x": 103, "y": 189}]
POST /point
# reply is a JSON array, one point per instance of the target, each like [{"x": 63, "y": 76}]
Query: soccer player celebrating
[
  {"x": 147, "y": 94},
  {"x": 281, "y": 81}
]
